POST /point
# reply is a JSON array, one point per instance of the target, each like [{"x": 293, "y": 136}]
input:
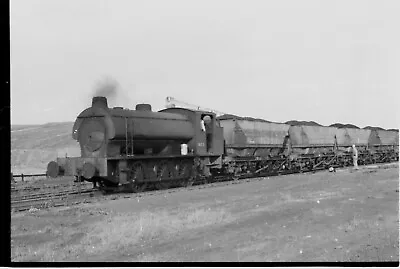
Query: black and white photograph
[{"x": 212, "y": 131}]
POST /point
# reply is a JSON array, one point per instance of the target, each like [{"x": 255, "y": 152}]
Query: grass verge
[{"x": 111, "y": 233}]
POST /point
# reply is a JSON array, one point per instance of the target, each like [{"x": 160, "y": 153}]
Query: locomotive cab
[
  {"x": 208, "y": 135},
  {"x": 208, "y": 122}
]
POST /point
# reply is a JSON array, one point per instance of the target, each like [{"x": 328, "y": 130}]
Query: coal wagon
[
  {"x": 254, "y": 145},
  {"x": 384, "y": 145}
]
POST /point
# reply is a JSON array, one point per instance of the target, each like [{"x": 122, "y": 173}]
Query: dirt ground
[{"x": 343, "y": 216}]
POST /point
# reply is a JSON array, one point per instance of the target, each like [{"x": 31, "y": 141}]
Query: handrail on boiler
[
  {"x": 126, "y": 136},
  {"x": 131, "y": 135}
]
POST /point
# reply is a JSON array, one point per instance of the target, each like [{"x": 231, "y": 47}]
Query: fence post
[
  {"x": 22, "y": 176},
  {"x": 79, "y": 186}
]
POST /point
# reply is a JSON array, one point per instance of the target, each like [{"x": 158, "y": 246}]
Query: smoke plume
[{"x": 107, "y": 87}]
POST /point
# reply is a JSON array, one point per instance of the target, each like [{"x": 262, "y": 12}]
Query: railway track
[
  {"x": 29, "y": 188},
  {"x": 41, "y": 186},
  {"x": 68, "y": 197},
  {"x": 46, "y": 200},
  {"x": 44, "y": 196}
]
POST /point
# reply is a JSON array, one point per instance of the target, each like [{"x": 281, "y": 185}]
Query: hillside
[
  {"x": 33, "y": 146},
  {"x": 373, "y": 128},
  {"x": 304, "y": 123},
  {"x": 230, "y": 116},
  {"x": 341, "y": 125}
]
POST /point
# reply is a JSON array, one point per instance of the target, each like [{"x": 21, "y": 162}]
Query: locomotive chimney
[
  {"x": 99, "y": 101},
  {"x": 143, "y": 107}
]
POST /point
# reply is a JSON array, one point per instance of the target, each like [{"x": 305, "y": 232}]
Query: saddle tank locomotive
[{"x": 138, "y": 148}]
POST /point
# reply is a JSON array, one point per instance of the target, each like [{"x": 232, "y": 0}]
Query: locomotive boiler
[{"x": 105, "y": 132}]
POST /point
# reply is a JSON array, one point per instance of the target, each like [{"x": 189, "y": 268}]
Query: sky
[{"x": 325, "y": 61}]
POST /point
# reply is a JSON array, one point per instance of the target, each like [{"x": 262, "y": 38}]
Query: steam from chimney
[{"x": 107, "y": 87}]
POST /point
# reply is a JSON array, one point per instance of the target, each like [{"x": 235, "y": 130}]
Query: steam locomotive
[{"x": 135, "y": 149}]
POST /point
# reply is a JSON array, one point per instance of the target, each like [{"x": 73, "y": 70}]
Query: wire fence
[{"x": 24, "y": 176}]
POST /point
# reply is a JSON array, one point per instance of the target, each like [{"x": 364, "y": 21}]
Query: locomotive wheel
[
  {"x": 151, "y": 169},
  {"x": 139, "y": 187},
  {"x": 162, "y": 185},
  {"x": 164, "y": 175},
  {"x": 173, "y": 170},
  {"x": 183, "y": 169},
  {"x": 163, "y": 172},
  {"x": 129, "y": 187},
  {"x": 138, "y": 177},
  {"x": 137, "y": 173},
  {"x": 189, "y": 182}
]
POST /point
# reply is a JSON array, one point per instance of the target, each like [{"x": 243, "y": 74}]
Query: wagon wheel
[{"x": 274, "y": 167}]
